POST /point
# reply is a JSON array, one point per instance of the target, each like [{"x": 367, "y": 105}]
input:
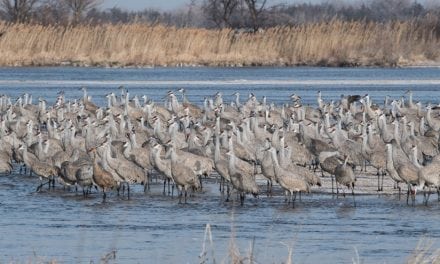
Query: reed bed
[{"x": 335, "y": 43}]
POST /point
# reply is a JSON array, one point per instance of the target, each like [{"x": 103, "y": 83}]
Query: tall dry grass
[{"x": 335, "y": 43}]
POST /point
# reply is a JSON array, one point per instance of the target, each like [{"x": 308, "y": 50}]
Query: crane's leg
[
  {"x": 424, "y": 196},
  {"x": 352, "y": 192},
  {"x": 271, "y": 187},
  {"x": 268, "y": 188},
  {"x": 413, "y": 194},
  {"x": 407, "y": 195},
  {"x": 128, "y": 191},
  {"x": 164, "y": 184},
  {"x": 185, "y": 194},
  {"x": 42, "y": 184},
  {"x": 378, "y": 180},
  {"x": 228, "y": 192},
  {"x": 333, "y": 190},
  {"x": 381, "y": 184},
  {"x": 337, "y": 190},
  {"x": 429, "y": 194},
  {"x": 293, "y": 199},
  {"x": 103, "y": 195},
  {"x": 146, "y": 182},
  {"x": 242, "y": 198},
  {"x": 39, "y": 187},
  {"x": 51, "y": 182},
  {"x": 200, "y": 180},
  {"x": 169, "y": 191}
]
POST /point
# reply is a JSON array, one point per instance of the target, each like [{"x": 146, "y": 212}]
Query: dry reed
[
  {"x": 335, "y": 43},
  {"x": 424, "y": 253}
]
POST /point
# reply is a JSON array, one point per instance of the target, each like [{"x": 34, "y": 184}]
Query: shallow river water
[{"x": 152, "y": 228}]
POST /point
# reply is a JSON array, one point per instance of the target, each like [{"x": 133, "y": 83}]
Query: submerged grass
[{"x": 336, "y": 43}]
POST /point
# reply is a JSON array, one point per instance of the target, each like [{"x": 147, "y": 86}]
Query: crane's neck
[
  {"x": 422, "y": 126},
  {"x": 389, "y": 161},
  {"x": 396, "y": 131},
  {"x": 345, "y": 162},
  {"x": 231, "y": 163},
  {"x": 46, "y": 147},
  {"x": 428, "y": 115},
  {"x": 127, "y": 150},
  {"x": 40, "y": 142},
  {"x": 217, "y": 149},
  {"x": 133, "y": 141},
  {"x": 230, "y": 144},
  {"x": 411, "y": 129},
  {"x": 25, "y": 154},
  {"x": 365, "y": 143},
  {"x": 237, "y": 99},
  {"x": 276, "y": 165}
]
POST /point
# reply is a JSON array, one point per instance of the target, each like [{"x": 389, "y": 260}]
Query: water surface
[{"x": 152, "y": 228}]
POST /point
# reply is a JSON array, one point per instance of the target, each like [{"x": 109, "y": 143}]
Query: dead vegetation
[{"x": 336, "y": 43}]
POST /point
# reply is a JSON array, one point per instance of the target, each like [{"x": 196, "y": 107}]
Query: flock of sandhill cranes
[{"x": 78, "y": 143}]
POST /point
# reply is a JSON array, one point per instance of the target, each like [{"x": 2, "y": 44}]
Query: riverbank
[{"x": 335, "y": 43}]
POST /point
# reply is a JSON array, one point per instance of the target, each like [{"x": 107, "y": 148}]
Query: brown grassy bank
[{"x": 332, "y": 44}]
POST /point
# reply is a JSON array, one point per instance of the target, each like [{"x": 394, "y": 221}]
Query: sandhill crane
[
  {"x": 128, "y": 171},
  {"x": 288, "y": 180},
  {"x": 221, "y": 166},
  {"x": 429, "y": 175},
  {"x": 391, "y": 169},
  {"x": 377, "y": 158},
  {"x": 267, "y": 169},
  {"x": 182, "y": 174},
  {"x": 242, "y": 176},
  {"x": 141, "y": 157},
  {"x": 344, "y": 175},
  {"x": 407, "y": 171},
  {"x": 5, "y": 162},
  {"x": 163, "y": 166},
  {"x": 101, "y": 177},
  {"x": 328, "y": 161},
  {"x": 78, "y": 172},
  {"x": 433, "y": 123},
  {"x": 42, "y": 169}
]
